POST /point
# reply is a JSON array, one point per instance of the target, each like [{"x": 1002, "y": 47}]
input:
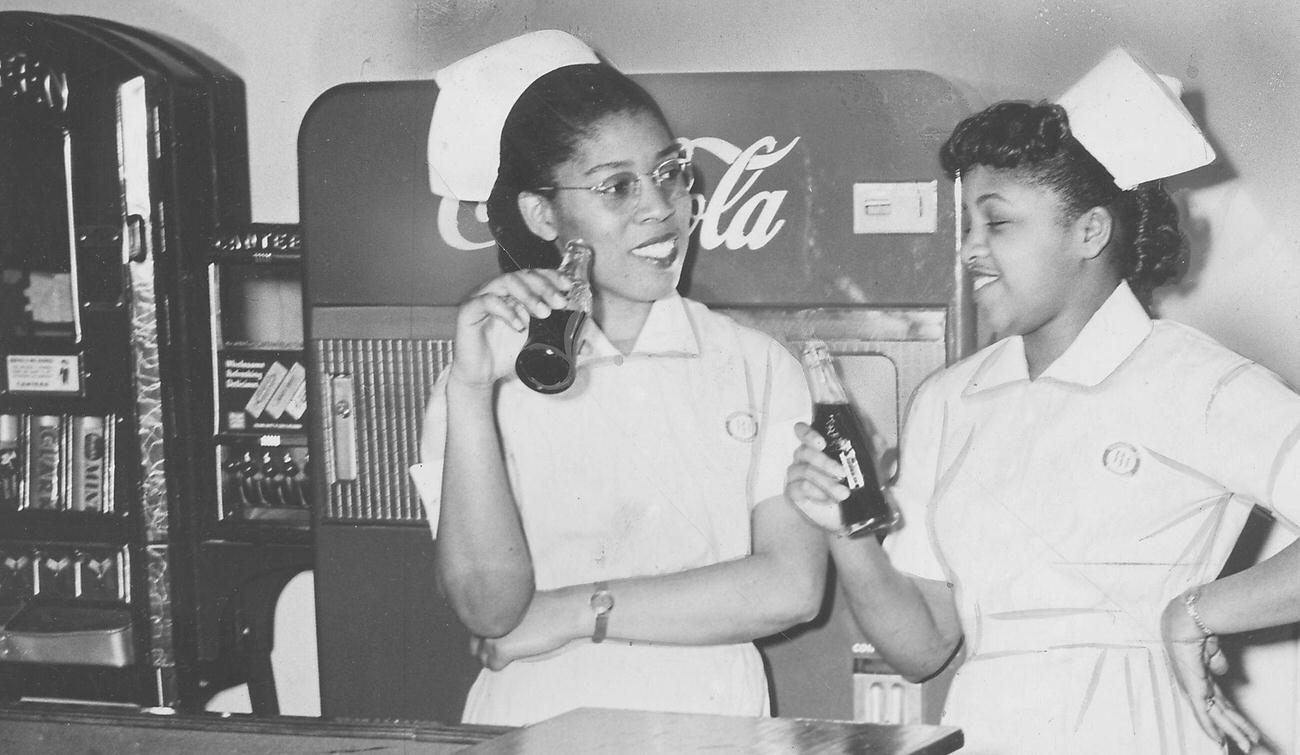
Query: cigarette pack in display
[
  {"x": 45, "y": 462},
  {"x": 88, "y": 464},
  {"x": 297, "y": 402},
  {"x": 275, "y": 373},
  {"x": 11, "y": 464},
  {"x": 296, "y": 377}
]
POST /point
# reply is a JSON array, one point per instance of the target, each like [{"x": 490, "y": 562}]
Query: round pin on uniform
[
  {"x": 742, "y": 426},
  {"x": 1121, "y": 458}
]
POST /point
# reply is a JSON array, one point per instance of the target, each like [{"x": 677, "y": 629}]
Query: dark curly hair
[
  {"x": 1146, "y": 245},
  {"x": 542, "y": 131}
]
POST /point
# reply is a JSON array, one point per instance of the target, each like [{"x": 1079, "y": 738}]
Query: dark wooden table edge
[{"x": 412, "y": 731}]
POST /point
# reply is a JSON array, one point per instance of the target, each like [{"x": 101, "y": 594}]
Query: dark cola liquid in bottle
[
  {"x": 548, "y": 361},
  {"x": 868, "y": 508}
]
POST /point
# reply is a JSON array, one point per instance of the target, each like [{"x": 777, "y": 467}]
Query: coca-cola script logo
[{"x": 734, "y": 215}]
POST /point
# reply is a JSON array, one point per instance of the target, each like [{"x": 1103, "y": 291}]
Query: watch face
[{"x": 602, "y": 601}]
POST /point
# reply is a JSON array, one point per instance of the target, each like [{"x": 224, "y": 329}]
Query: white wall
[
  {"x": 1240, "y": 62},
  {"x": 1237, "y": 58}
]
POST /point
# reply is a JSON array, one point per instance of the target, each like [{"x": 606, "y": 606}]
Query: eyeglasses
[{"x": 673, "y": 178}]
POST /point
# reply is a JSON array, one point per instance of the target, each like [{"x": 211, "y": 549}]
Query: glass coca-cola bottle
[
  {"x": 869, "y": 508},
  {"x": 548, "y": 361}
]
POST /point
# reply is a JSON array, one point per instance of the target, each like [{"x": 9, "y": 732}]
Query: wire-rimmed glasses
[{"x": 673, "y": 178}]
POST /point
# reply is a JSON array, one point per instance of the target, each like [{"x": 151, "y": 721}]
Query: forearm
[
  {"x": 736, "y": 601},
  {"x": 1265, "y": 595},
  {"x": 912, "y": 623},
  {"x": 780, "y": 585},
  {"x": 482, "y": 556}
]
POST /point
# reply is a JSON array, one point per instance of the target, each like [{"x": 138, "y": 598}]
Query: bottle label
[{"x": 853, "y": 476}]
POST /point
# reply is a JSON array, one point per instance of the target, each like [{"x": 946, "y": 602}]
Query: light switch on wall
[{"x": 898, "y": 207}]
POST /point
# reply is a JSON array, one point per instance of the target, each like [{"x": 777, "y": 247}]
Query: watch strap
[{"x": 601, "y": 605}]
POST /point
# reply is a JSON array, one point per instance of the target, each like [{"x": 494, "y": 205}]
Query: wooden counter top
[
  {"x": 38, "y": 729},
  {"x": 41, "y": 729},
  {"x": 593, "y": 730}
]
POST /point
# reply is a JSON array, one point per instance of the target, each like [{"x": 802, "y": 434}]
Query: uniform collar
[
  {"x": 1112, "y": 333},
  {"x": 669, "y": 330}
]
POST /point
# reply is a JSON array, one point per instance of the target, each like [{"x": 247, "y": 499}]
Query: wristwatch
[{"x": 602, "y": 602}]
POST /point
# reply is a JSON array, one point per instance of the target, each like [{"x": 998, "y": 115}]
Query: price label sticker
[{"x": 43, "y": 373}]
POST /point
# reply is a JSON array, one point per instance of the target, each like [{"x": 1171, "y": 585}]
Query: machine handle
[
  {"x": 137, "y": 238},
  {"x": 343, "y": 425}
]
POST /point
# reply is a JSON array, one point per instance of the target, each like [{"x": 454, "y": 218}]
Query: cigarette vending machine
[
  {"x": 254, "y": 531},
  {"x": 123, "y": 155},
  {"x": 821, "y": 212}
]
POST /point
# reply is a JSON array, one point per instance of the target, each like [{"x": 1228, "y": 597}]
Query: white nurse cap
[
  {"x": 1133, "y": 121},
  {"x": 475, "y": 95}
]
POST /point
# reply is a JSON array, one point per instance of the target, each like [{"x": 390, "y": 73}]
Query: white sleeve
[
  {"x": 427, "y": 475},
  {"x": 1252, "y": 426},
  {"x": 785, "y": 402},
  {"x": 909, "y": 545}
]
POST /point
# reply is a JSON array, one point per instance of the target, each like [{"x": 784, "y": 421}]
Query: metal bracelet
[{"x": 1189, "y": 603}]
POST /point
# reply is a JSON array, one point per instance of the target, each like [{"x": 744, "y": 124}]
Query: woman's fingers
[
  {"x": 1217, "y": 716},
  {"x": 487, "y": 655},
  {"x": 811, "y": 451},
  {"x": 1206, "y": 716},
  {"x": 1188, "y": 660},
  {"x": 539, "y": 291},
  {"x": 1230, "y": 723},
  {"x": 514, "y": 297},
  {"x": 1215, "y": 660},
  {"x": 809, "y": 437},
  {"x": 502, "y": 306},
  {"x": 813, "y": 482},
  {"x": 547, "y": 286}
]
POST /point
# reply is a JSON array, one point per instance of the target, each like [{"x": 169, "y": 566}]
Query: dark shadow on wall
[{"x": 1196, "y": 230}]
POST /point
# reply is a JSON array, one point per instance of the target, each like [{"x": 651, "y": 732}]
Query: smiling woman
[
  {"x": 616, "y": 544},
  {"x": 639, "y": 238},
  {"x": 1071, "y": 492},
  {"x": 1038, "y": 211}
]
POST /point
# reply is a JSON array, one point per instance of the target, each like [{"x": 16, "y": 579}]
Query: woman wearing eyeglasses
[{"x": 619, "y": 544}]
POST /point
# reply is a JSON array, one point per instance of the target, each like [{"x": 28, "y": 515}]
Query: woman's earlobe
[{"x": 539, "y": 215}]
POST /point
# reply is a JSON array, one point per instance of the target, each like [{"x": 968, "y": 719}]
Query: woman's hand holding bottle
[
  {"x": 492, "y": 323},
  {"x": 814, "y": 482}
]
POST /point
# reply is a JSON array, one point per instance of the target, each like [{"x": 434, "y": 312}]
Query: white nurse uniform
[
  {"x": 649, "y": 464},
  {"x": 1067, "y": 510}
]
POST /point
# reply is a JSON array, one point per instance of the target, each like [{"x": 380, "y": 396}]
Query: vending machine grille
[{"x": 390, "y": 379}]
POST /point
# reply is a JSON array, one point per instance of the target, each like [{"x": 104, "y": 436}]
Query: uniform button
[{"x": 618, "y": 360}]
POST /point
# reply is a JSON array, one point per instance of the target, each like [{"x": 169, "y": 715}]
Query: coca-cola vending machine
[{"x": 821, "y": 213}]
